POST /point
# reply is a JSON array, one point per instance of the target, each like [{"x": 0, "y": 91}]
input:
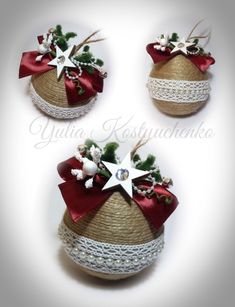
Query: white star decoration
[
  {"x": 181, "y": 46},
  {"x": 62, "y": 60},
  {"x": 122, "y": 174}
]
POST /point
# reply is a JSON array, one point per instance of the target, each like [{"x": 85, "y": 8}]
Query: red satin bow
[
  {"x": 201, "y": 61},
  {"x": 91, "y": 83},
  {"x": 80, "y": 200}
]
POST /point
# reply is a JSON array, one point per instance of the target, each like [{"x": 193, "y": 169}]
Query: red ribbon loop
[{"x": 80, "y": 200}]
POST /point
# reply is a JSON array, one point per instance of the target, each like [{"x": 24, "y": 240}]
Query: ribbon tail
[
  {"x": 202, "y": 62},
  {"x": 155, "y": 210},
  {"x": 90, "y": 83},
  {"x": 29, "y": 66}
]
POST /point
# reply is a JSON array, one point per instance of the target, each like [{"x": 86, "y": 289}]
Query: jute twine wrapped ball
[
  {"x": 112, "y": 242},
  {"x": 49, "y": 95},
  {"x": 178, "y": 87}
]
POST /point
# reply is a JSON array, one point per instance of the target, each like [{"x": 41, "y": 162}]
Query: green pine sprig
[
  {"x": 86, "y": 57},
  {"x": 62, "y": 39},
  {"x": 109, "y": 152},
  {"x": 174, "y": 37}
]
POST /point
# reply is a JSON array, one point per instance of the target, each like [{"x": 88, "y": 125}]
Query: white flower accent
[
  {"x": 162, "y": 42},
  {"x": 95, "y": 154},
  {"x": 78, "y": 173},
  {"x": 89, "y": 183},
  {"x": 45, "y": 46},
  {"x": 89, "y": 167}
]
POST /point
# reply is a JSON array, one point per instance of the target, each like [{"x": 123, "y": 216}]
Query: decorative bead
[
  {"x": 75, "y": 250},
  {"x": 89, "y": 168},
  {"x": 90, "y": 258},
  {"x": 154, "y": 254},
  {"x": 150, "y": 256},
  {"x": 127, "y": 263},
  {"x": 118, "y": 263},
  {"x": 82, "y": 255},
  {"x": 69, "y": 247},
  {"x": 136, "y": 261},
  {"x": 109, "y": 262},
  {"x": 143, "y": 193},
  {"x": 100, "y": 260}
]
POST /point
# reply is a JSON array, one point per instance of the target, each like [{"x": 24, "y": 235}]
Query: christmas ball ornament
[
  {"x": 113, "y": 226},
  {"x": 178, "y": 82},
  {"x": 65, "y": 79}
]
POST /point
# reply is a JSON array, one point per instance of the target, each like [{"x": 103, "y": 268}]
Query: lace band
[
  {"x": 179, "y": 91},
  {"x": 109, "y": 258},
  {"x": 58, "y": 112}
]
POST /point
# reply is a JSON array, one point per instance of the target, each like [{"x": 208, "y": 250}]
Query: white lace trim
[
  {"x": 179, "y": 91},
  {"x": 109, "y": 258},
  {"x": 59, "y": 112}
]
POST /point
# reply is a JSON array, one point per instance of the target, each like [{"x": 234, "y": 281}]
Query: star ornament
[
  {"x": 62, "y": 60},
  {"x": 123, "y": 174},
  {"x": 181, "y": 46}
]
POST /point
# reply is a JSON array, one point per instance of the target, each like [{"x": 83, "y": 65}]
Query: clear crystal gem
[
  {"x": 180, "y": 45},
  {"x": 61, "y": 59},
  {"x": 122, "y": 174}
]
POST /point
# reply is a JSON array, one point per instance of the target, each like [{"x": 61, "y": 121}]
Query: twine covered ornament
[
  {"x": 65, "y": 79},
  {"x": 113, "y": 225},
  {"x": 178, "y": 82}
]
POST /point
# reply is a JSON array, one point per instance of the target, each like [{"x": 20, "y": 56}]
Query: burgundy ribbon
[
  {"x": 91, "y": 83},
  {"x": 80, "y": 200},
  {"x": 201, "y": 61}
]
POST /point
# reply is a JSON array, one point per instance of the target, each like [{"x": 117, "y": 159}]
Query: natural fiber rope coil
[
  {"x": 117, "y": 221},
  {"x": 178, "y": 68}
]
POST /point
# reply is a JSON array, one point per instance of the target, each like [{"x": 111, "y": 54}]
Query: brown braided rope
[
  {"x": 52, "y": 90},
  {"x": 118, "y": 221},
  {"x": 178, "y": 68}
]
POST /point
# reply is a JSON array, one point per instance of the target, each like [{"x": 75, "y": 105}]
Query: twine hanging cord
[
  {"x": 190, "y": 37},
  {"x": 88, "y": 40},
  {"x": 138, "y": 145}
]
